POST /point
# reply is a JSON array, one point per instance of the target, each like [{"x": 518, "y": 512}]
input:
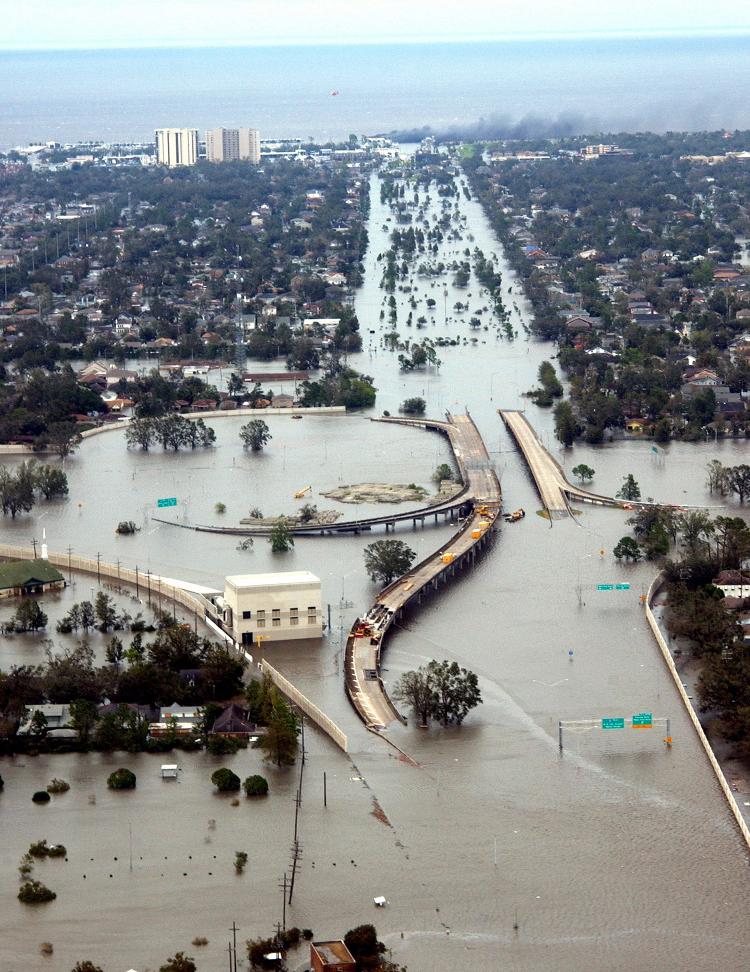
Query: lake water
[
  {"x": 619, "y": 854},
  {"x": 573, "y": 85}
]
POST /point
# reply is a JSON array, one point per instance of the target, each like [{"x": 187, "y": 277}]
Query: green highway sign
[
  {"x": 613, "y": 723},
  {"x": 605, "y": 587},
  {"x": 642, "y": 720},
  {"x": 622, "y": 587},
  {"x": 169, "y": 501}
]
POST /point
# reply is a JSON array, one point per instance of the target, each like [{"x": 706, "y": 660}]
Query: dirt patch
[{"x": 379, "y": 814}]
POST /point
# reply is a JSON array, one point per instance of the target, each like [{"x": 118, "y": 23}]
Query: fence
[
  {"x": 309, "y": 708},
  {"x": 653, "y": 590}
]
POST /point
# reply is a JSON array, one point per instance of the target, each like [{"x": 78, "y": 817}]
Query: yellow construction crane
[{"x": 301, "y": 492}]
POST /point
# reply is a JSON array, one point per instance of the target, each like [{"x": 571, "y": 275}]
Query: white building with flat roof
[
  {"x": 274, "y": 607},
  {"x": 176, "y": 146}
]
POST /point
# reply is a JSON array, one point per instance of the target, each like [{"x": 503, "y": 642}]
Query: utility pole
[
  {"x": 233, "y": 956},
  {"x": 283, "y": 903},
  {"x": 137, "y": 589},
  {"x": 33, "y": 544},
  {"x": 70, "y": 572},
  {"x": 148, "y": 578},
  {"x": 98, "y": 568},
  {"x": 325, "y": 790},
  {"x": 296, "y": 854}
]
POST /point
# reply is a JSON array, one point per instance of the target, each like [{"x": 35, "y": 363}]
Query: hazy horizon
[{"x": 135, "y": 24}]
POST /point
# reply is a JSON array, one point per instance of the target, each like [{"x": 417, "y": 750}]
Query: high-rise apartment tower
[
  {"x": 232, "y": 144},
  {"x": 176, "y": 146}
]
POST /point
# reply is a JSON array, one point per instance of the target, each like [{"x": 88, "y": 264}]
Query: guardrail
[
  {"x": 311, "y": 710},
  {"x": 656, "y": 586}
]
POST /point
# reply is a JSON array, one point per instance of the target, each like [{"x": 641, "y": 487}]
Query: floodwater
[{"x": 497, "y": 851}]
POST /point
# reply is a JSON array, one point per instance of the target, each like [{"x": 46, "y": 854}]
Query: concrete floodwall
[
  {"x": 146, "y": 582},
  {"x": 27, "y": 450},
  {"x": 311, "y": 710},
  {"x": 653, "y": 591},
  {"x": 159, "y": 589}
]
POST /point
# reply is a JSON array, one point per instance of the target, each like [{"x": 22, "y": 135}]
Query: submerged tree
[
  {"x": 386, "y": 559},
  {"x": 255, "y": 435}
]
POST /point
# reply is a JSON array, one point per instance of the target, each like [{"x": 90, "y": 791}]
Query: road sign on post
[
  {"x": 642, "y": 720},
  {"x": 605, "y": 587},
  {"x": 169, "y": 501},
  {"x": 622, "y": 587},
  {"x": 613, "y": 723}
]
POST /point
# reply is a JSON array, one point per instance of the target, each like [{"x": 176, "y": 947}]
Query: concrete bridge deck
[
  {"x": 364, "y": 645},
  {"x": 551, "y": 482}
]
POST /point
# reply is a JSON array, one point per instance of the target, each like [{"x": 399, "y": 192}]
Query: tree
[
  {"x": 255, "y": 435},
  {"x": 140, "y": 432},
  {"x": 414, "y": 689},
  {"x": 16, "y": 490},
  {"x": 739, "y": 481},
  {"x": 83, "y": 717},
  {"x": 105, "y": 610},
  {"x": 121, "y": 779},
  {"x": 38, "y": 724},
  {"x": 413, "y": 406},
  {"x": 280, "y": 538},
  {"x": 696, "y": 528},
  {"x": 178, "y": 963},
  {"x": 308, "y": 513},
  {"x": 583, "y": 472},
  {"x": 718, "y": 478},
  {"x": 630, "y": 490},
  {"x": 255, "y": 785},
  {"x": 236, "y": 384},
  {"x": 455, "y": 691},
  {"x": 51, "y": 482},
  {"x": 566, "y": 427},
  {"x": 279, "y": 742},
  {"x": 627, "y": 549},
  {"x": 115, "y": 652},
  {"x": 442, "y": 473},
  {"x": 29, "y": 616},
  {"x": 363, "y": 943},
  {"x": 386, "y": 559},
  {"x": 225, "y": 780},
  {"x": 64, "y": 438},
  {"x": 87, "y": 615},
  {"x": 86, "y": 966}
]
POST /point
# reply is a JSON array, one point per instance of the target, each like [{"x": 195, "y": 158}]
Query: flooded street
[{"x": 497, "y": 852}]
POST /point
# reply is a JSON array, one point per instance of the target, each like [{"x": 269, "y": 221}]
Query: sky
[{"x": 86, "y": 24}]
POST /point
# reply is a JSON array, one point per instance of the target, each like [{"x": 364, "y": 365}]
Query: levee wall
[
  {"x": 311, "y": 710},
  {"x": 160, "y": 589},
  {"x": 653, "y": 591}
]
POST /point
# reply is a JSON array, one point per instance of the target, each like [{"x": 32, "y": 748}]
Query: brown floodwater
[{"x": 496, "y": 852}]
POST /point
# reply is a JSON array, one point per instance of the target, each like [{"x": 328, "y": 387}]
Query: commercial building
[
  {"x": 233, "y": 144},
  {"x": 274, "y": 607},
  {"x": 176, "y": 146}
]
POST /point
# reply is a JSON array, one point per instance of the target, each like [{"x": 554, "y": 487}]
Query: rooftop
[
  {"x": 289, "y": 578},
  {"x": 18, "y": 573},
  {"x": 332, "y": 952}
]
